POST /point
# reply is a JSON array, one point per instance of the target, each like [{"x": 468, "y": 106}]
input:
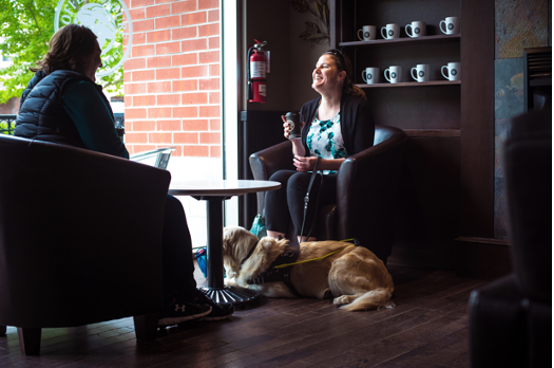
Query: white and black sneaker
[
  {"x": 219, "y": 311},
  {"x": 181, "y": 310}
]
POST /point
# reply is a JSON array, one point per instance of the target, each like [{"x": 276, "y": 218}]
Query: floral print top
[{"x": 324, "y": 139}]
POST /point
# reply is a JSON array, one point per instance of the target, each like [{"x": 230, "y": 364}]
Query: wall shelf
[
  {"x": 396, "y": 41},
  {"x": 410, "y": 84}
]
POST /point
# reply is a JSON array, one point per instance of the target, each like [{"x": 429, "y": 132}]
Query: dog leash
[
  {"x": 307, "y": 198},
  {"x": 315, "y": 259}
]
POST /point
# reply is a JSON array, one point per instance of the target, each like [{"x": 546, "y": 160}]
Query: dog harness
[{"x": 281, "y": 268}]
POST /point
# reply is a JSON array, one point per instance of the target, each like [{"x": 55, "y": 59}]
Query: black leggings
[{"x": 288, "y": 202}]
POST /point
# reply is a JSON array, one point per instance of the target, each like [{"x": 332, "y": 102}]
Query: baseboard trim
[{"x": 482, "y": 258}]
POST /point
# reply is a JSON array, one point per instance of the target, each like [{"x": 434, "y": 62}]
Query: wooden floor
[{"x": 428, "y": 328}]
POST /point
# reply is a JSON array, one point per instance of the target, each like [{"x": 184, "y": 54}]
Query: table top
[{"x": 218, "y": 188}]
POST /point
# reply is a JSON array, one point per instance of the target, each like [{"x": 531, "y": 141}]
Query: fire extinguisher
[{"x": 257, "y": 68}]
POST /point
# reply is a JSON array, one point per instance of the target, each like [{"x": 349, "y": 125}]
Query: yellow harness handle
[{"x": 315, "y": 259}]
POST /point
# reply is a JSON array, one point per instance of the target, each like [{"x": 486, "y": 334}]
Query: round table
[{"x": 215, "y": 192}]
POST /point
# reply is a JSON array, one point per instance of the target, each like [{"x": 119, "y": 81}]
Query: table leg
[{"x": 216, "y": 288}]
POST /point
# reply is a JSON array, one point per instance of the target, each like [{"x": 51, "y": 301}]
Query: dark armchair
[
  {"x": 367, "y": 188},
  {"x": 80, "y": 239},
  {"x": 510, "y": 319}
]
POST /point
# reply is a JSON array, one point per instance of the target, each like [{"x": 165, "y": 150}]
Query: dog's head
[
  {"x": 266, "y": 252},
  {"x": 237, "y": 243}
]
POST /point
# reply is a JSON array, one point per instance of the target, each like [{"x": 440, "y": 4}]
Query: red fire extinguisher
[{"x": 257, "y": 68}]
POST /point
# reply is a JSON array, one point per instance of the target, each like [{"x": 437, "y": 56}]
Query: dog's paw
[
  {"x": 231, "y": 282},
  {"x": 341, "y": 300}
]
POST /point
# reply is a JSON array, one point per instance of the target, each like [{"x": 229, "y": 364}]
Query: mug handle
[
  {"x": 412, "y": 73},
  {"x": 411, "y": 33},
  {"x": 384, "y": 34},
  {"x": 363, "y": 75},
  {"x": 360, "y": 30},
  {"x": 440, "y": 26},
  {"x": 442, "y": 72},
  {"x": 385, "y": 72}
]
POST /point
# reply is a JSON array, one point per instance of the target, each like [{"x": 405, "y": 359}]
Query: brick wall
[{"x": 172, "y": 77}]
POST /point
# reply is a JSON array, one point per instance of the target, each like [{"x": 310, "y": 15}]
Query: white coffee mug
[
  {"x": 420, "y": 73},
  {"x": 450, "y": 25},
  {"x": 368, "y": 33},
  {"x": 390, "y": 31},
  {"x": 416, "y": 29},
  {"x": 371, "y": 75},
  {"x": 452, "y": 71},
  {"x": 394, "y": 74}
]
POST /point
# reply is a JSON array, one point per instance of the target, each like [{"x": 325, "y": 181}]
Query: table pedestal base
[{"x": 230, "y": 294}]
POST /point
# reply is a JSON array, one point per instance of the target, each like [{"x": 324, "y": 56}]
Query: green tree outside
[{"x": 27, "y": 26}]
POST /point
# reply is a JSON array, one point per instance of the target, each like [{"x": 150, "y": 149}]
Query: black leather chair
[
  {"x": 367, "y": 188},
  {"x": 511, "y": 318},
  {"x": 80, "y": 239}
]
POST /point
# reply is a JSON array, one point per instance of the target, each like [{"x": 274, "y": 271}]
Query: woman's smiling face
[{"x": 326, "y": 76}]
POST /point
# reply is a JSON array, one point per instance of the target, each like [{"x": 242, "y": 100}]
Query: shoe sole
[
  {"x": 168, "y": 321},
  {"x": 217, "y": 318}
]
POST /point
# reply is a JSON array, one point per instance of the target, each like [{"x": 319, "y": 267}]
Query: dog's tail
[{"x": 377, "y": 298}]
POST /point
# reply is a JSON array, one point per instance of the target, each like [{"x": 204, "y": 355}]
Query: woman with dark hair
[
  {"x": 62, "y": 104},
  {"x": 336, "y": 125}
]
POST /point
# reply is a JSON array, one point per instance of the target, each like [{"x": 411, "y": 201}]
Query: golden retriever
[{"x": 354, "y": 277}]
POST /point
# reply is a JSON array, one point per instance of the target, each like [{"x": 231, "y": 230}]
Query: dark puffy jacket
[{"x": 41, "y": 113}]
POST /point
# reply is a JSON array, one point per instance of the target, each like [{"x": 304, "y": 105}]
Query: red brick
[
  {"x": 131, "y": 137},
  {"x": 213, "y": 42},
  {"x": 144, "y": 126},
  {"x": 168, "y": 22},
  {"x": 143, "y": 25},
  {"x": 193, "y": 18},
  {"x": 196, "y": 151},
  {"x": 214, "y": 98},
  {"x": 135, "y": 113},
  {"x": 128, "y": 101},
  {"x": 148, "y": 100},
  {"x": 173, "y": 73},
  {"x": 185, "y": 112},
  {"x": 163, "y": 1},
  {"x": 134, "y": 88},
  {"x": 183, "y": 6},
  {"x": 215, "y": 151},
  {"x": 195, "y": 125},
  {"x": 169, "y": 125},
  {"x": 194, "y": 45},
  {"x": 134, "y": 63},
  {"x": 159, "y": 36},
  {"x": 215, "y": 124},
  {"x": 139, "y": 38},
  {"x": 185, "y": 32},
  {"x": 206, "y": 138},
  {"x": 208, "y": 57},
  {"x": 145, "y": 50},
  {"x": 159, "y": 61},
  {"x": 194, "y": 98},
  {"x": 178, "y": 151},
  {"x": 209, "y": 111},
  {"x": 159, "y": 112},
  {"x": 194, "y": 71},
  {"x": 209, "y": 84},
  {"x": 185, "y": 85},
  {"x": 157, "y": 87},
  {"x": 139, "y": 3},
  {"x": 187, "y": 138},
  {"x": 208, "y": 30},
  {"x": 160, "y": 137},
  {"x": 184, "y": 59},
  {"x": 143, "y": 75},
  {"x": 213, "y": 15},
  {"x": 158, "y": 11},
  {"x": 126, "y": 77},
  {"x": 137, "y": 14},
  {"x": 208, "y": 4},
  {"x": 214, "y": 69},
  {"x": 168, "y": 48},
  {"x": 168, "y": 100}
]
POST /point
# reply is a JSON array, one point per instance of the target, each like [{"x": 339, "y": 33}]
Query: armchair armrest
[
  {"x": 266, "y": 162},
  {"x": 367, "y": 187}
]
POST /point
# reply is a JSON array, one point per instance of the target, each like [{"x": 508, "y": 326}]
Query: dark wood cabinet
[{"x": 447, "y": 189}]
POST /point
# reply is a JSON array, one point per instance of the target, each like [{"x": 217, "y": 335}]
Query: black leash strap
[{"x": 307, "y": 198}]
